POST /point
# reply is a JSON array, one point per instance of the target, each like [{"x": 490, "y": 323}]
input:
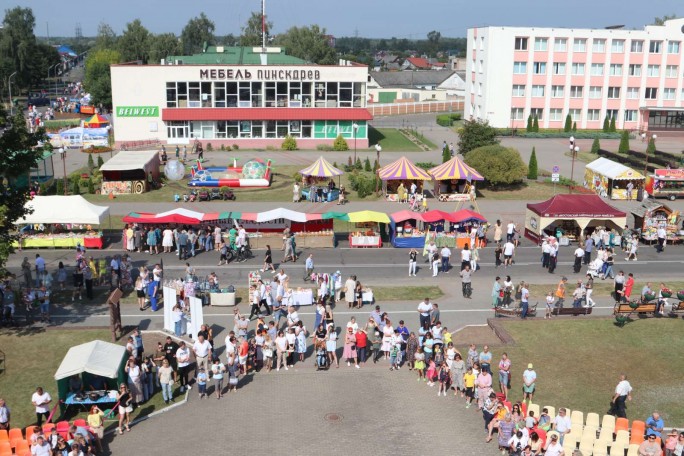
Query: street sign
[
  {"x": 556, "y": 169},
  {"x": 555, "y": 177}
]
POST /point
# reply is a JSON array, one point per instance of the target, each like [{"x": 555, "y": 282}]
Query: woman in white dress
[
  {"x": 167, "y": 240},
  {"x": 217, "y": 237},
  {"x": 387, "y": 333},
  {"x": 331, "y": 345}
]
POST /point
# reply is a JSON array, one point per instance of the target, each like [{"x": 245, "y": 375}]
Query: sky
[{"x": 368, "y": 18}]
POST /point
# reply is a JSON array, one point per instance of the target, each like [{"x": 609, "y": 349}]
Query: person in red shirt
[
  {"x": 243, "y": 352},
  {"x": 627, "y": 290},
  {"x": 361, "y": 343}
]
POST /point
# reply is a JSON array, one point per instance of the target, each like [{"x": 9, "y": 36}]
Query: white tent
[
  {"x": 96, "y": 357},
  {"x": 64, "y": 209},
  {"x": 613, "y": 170},
  {"x": 281, "y": 213}
]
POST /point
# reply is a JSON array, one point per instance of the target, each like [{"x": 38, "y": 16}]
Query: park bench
[
  {"x": 677, "y": 308},
  {"x": 571, "y": 311},
  {"x": 500, "y": 311},
  {"x": 634, "y": 307}
]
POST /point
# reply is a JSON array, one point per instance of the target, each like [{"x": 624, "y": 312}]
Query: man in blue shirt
[
  {"x": 654, "y": 425},
  {"x": 309, "y": 265},
  {"x": 588, "y": 248}
]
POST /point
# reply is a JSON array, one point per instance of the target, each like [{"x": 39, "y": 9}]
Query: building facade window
[
  {"x": 537, "y": 90},
  {"x": 666, "y": 120},
  {"x": 618, "y": 46},
  {"x": 655, "y": 47},
  {"x": 615, "y": 69},
  {"x": 578, "y": 69},
  {"x": 613, "y": 113},
  {"x": 599, "y": 45},
  {"x": 538, "y": 113},
  {"x": 559, "y": 68},
  {"x": 613, "y": 92},
  {"x": 575, "y": 115},
  {"x": 632, "y": 93},
  {"x": 669, "y": 93},
  {"x": 593, "y": 114},
  {"x": 557, "y": 91},
  {"x": 521, "y": 43},
  {"x": 653, "y": 71},
  {"x": 597, "y": 69},
  {"x": 555, "y": 114},
  {"x": 539, "y": 68},
  {"x": 541, "y": 44},
  {"x": 519, "y": 67},
  {"x": 518, "y": 90},
  {"x": 560, "y": 45},
  {"x": 576, "y": 91},
  {"x": 636, "y": 46},
  {"x": 579, "y": 45},
  {"x": 673, "y": 47},
  {"x": 595, "y": 92},
  {"x": 634, "y": 69},
  {"x": 671, "y": 71},
  {"x": 630, "y": 115},
  {"x": 517, "y": 113},
  {"x": 651, "y": 93}
]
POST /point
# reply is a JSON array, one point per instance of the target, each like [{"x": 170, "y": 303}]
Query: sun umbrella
[
  {"x": 455, "y": 169},
  {"x": 402, "y": 169},
  {"x": 321, "y": 168}
]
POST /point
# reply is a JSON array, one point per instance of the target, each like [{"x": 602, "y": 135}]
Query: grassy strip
[
  {"x": 390, "y": 139},
  {"x": 601, "y": 288}
]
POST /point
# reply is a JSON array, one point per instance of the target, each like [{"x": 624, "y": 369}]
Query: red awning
[
  {"x": 572, "y": 206},
  {"x": 265, "y": 114}
]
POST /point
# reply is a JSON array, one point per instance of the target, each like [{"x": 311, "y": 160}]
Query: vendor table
[
  {"x": 109, "y": 398},
  {"x": 222, "y": 299},
  {"x": 417, "y": 242},
  {"x": 49, "y": 242},
  {"x": 365, "y": 241},
  {"x": 367, "y": 296},
  {"x": 302, "y": 297}
]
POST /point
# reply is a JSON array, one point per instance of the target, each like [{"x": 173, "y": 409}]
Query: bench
[
  {"x": 500, "y": 311},
  {"x": 677, "y": 308},
  {"x": 571, "y": 311},
  {"x": 641, "y": 308}
]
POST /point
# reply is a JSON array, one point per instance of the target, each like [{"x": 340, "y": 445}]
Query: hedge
[
  {"x": 447, "y": 120},
  {"x": 557, "y": 134},
  {"x": 629, "y": 160}
]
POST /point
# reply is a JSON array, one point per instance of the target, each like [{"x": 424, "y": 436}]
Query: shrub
[
  {"x": 612, "y": 125},
  {"x": 91, "y": 187},
  {"x": 324, "y": 147},
  {"x": 425, "y": 165},
  {"x": 297, "y": 177},
  {"x": 568, "y": 123},
  {"x": 606, "y": 125},
  {"x": 532, "y": 166},
  {"x": 529, "y": 123},
  {"x": 535, "y": 124},
  {"x": 358, "y": 164},
  {"x": 446, "y": 154},
  {"x": 498, "y": 165},
  {"x": 623, "y": 148},
  {"x": 91, "y": 162},
  {"x": 340, "y": 144},
  {"x": 223, "y": 147},
  {"x": 595, "y": 146},
  {"x": 474, "y": 134},
  {"x": 75, "y": 187},
  {"x": 289, "y": 143},
  {"x": 209, "y": 147},
  {"x": 574, "y": 126},
  {"x": 363, "y": 183},
  {"x": 376, "y": 166},
  {"x": 651, "y": 148},
  {"x": 59, "y": 187},
  {"x": 367, "y": 165},
  {"x": 335, "y": 164},
  {"x": 563, "y": 181},
  {"x": 100, "y": 161},
  {"x": 447, "y": 120},
  {"x": 236, "y": 147},
  {"x": 271, "y": 148}
]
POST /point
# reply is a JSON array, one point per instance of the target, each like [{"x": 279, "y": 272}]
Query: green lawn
[
  {"x": 391, "y": 140},
  {"x": 578, "y": 363},
  {"x": 528, "y": 191},
  {"x": 584, "y": 156}
]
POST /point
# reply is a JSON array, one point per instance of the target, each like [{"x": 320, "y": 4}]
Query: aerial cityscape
[{"x": 229, "y": 218}]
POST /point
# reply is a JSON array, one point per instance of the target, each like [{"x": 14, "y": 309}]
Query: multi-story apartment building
[{"x": 635, "y": 76}]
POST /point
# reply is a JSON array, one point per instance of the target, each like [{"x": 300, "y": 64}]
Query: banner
[
  {"x": 196, "y": 319},
  {"x": 169, "y": 303}
]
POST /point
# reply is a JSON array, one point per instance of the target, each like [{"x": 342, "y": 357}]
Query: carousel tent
[
  {"x": 63, "y": 209},
  {"x": 455, "y": 169},
  {"x": 585, "y": 210},
  {"x": 321, "y": 168},
  {"x": 402, "y": 169},
  {"x": 97, "y": 121}
]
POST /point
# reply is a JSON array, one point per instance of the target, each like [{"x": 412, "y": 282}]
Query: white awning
[
  {"x": 96, "y": 357},
  {"x": 64, "y": 209},
  {"x": 613, "y": 170}
]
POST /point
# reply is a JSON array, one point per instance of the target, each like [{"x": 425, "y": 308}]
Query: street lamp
[
  {"x": 9, "y": 83},
  {"x": 378, "y": 149},
  {"x": 573, "y": 151},
  {"x": 356, "y": 129},
  {"x": 62, "y": 153},
  {"x": 53, "y": 66}
]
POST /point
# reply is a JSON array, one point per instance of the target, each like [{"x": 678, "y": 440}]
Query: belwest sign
[
  {"x": 261, "y": 75},
  {"x": 137, "y": 111}
]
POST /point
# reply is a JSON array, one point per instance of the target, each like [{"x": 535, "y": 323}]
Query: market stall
[
  {"x": 454, "y": 180},
  {"x": 406, "y": 230},
  {"x": 179, "y": 216},
  {"x": 318, "y": 181},
  {"x": 312, "y": 231},
  {"x": 611, "y": 179},
  {"x": 454, "y": 231},
  {"x": 62, "y": 222},
  {"x": 397, "y": 178},
  {"x": 575, "y": 215},
  {"x": 129, "y": 171},
  {"x": 368, "y": 226},
  {"x": 651, "y": 215}
]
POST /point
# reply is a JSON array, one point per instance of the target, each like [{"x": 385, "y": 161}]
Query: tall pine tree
[
  {"x": 623, "y": 148},
  {"x": 532, "y": 171},
  {"x": 568, "y": 123}
]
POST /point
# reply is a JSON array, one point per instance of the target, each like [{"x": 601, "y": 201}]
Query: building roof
[
  {"x": 237, "y": 55},
  {"x": 419, "y": 62},
  {"x": 265, "y": 114},
  {"x": 127, "y": 160},
  {"x": 573, "y": 206},
  {"x": 613, "y": 170},
  {"x": 387, "y": 79}
]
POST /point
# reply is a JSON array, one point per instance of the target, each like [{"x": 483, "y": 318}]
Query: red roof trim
[{"x": 266, "y": 114}]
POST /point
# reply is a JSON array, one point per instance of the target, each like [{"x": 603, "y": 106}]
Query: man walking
[
  {"x": 446, "y": 254},
  {"x": 424, "y": 309},
  {"x": 579, "y": 256},
  {"x": 309, "y": 267},
  {"x": 662, "y": 234},
  {"x": 524, "y": 301},
  {"x": 623, "y": 393},
  {"x": 183, "y": 245},
  {"x": 466, "y": 278},
  {"x": 588, "y": 248}
]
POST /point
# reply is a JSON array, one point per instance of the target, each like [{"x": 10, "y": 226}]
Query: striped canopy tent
[
  {"x": 179, "y": 216},
  {"x": 321, "y": 168},
  {"x": 287, "y": 214},
  {"x": 96, "y": 121},
  {"x": 402, "y": 169},
  {"x": 455, "y": 169}
]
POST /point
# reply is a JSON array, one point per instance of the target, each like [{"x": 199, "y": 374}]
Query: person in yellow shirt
[
  {"x": 96, "y": 424},
  {"x": 93, "y": 268},
  {"x": 469, "y": 382},
  {"x": 446, "y": 336}
]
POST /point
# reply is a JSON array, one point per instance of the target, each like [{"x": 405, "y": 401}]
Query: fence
[
  {"x": 397, "y": 109},
  {"x": 135, "y": 145}
]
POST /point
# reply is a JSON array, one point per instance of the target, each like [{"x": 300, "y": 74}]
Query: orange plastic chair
[
  {"x": 23, "y": 453},
  {"x": 47, "y": 427},
  {"x": 15, "y": 442},
  {"x": 63, "y": 426},
  {"x": 5, "y": 451},
  {"x": 3, "y": 435},
  {"x": 523, "y": 408},
  {"x": 80, "y": 422},
  {"x": 29, "y": 432},
  {"x": 5, "y": 447},
  {"x": 621, "y": 424},
  {"x": 636, "y": 438},
  {"x": 22, "y": 447},
  {"x": 14, "y": 433},
  {"x": 638, "y": 426}
]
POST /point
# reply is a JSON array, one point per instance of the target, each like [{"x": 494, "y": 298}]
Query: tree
[
  {"x": 612, "y": 124},
  {"x": 574, "y": 126},
  {"x": 651, "y": 148},
  {"x": 535, "y": 124},
  {"x": 106, "y": 37},
  {"x": 623, "y": 148},
  {"x": 532, "y": 171},
  {"x": 134, "y": 43},
  {"x": 91, "y": 162},
  {"x": 197, "y": 31},
  {"x": 97, "y": 78},
  {"x": 606, "y": 125},
  {"x": 252, "y": 31},
  {"x": 661, "y": 20},
  {"x": 498, "y": 165},
  {"x": 433, "y": 40},
  {"x": 568, "y": 123},
  {"x": 367, "y": 165},
  {"x": 595, "y": 146},
  {"x": 446, "y": 154},
  {"x": 20, "y": 153},
  {"x": 163, "y": 46},
  {"x": 476, "y": 133},
  {"x": 100, "y": 161},
  {"x": 308, "y": 43},
  {"x": 528, "y": 128},
  {"x": 341, "y": 144}
]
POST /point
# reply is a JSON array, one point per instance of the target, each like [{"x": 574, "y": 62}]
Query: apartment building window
[
  {"x": 671, "y": 71},
  {"x": 593, "y": 114},
  {"x": 578, "y": 69},
  {"x": 519, "y": 67},
  {"x": 579, "y": 45},
  {"x": 673, "y": 47},
  {"x": 555, "y": 114},
  {"x": 576, "y": 91},
  {"x": 634, "y": 69},
  {"x": 482, "y": 43},
  {"x": 472, "y": 88},
  {"x": 651, "y": 93},
  {"x": 541, "y": 44},
  {"x": 537, "y": 112},
  {"x": 560, "y": 45},
  {"x": 615, "y": 69},
  {"x": 575, "y": 114},
  {"x": 612, "y": 113},
  {"x": 537, "y": 90},
  {"x": 595, "y": 92},
  {"x": 630, "y": 115},
  {"x": 599, "y": 45},
  {"x": 518, "y": 90},
  {"x": 557, "y": 91},
  {"x": 559, "y": 68},
  {"x": 653, "y": 71},
  {"x": 520, "y": 43},
  {"x": 597, "y": 69},
  {"x": 618, "y": 46},
  {"x": 632, "y": 93},
  {"x": 654, "y": 47},
  {"x": 480, "y": 66},
  {"x": 668, "y": 94},
  {"x": 517, "y": 113},
  {"x": 479, "y": 89},
  {"x": 637, "y": 46},
  {"x": 539, "y": 68},
  {"x": 613, "y": 92}
]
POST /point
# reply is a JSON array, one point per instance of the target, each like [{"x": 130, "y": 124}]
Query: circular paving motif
[{"x": 333, "y": 417}]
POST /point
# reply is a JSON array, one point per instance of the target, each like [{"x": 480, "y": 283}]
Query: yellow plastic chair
[
  {"x": 577, "y": 417},
  {"x": 618, "y": 448},
  {"x": 632, "y": 450},
  {"x": 593, "y": 420},
  {"x": 622, "y": 437},
  {"x": 569, "y": 443},
  {"x": 600, "y": 448},
  {"x": 534, "y": 408},
  {"x": 586, "y": 445},
  {"x": 606, "y": 434},
  {"x": 608, "y": 422}
]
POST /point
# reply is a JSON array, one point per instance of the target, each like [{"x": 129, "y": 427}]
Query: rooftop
[{"x": 236, "y": 55}]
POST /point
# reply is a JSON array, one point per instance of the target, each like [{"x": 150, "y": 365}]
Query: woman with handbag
[
  {"x": 267, "y": 351},
  {"x": 331, "y": 345},
  {"x": 350, "y": 348},
  {"x": 233, "y": 372},
  {"x": 125, "y": 402},
  {"x": 291, "y": 338}
]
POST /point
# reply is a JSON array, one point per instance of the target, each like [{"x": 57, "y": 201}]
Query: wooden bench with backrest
[
  {"x": 571, "y": 311},
  {"x": 677, "y": 308},
  {"x": 637, "y": 307},
  {"x": 500, "y": 311}
]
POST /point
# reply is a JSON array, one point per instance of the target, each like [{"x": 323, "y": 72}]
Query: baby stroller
[
  {"x": 321, "y": 358},
  {"x": 595, "y": 268}
]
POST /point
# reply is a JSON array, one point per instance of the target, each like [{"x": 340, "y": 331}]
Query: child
[
  {"x": 469, "y": 382},
  {"x": 544, "y": 421},
  {"x": 444, "y": 379},
  {"x": 217, "y": 370},
  {"x": 268, "y": 261},
  {"x": 419, "y": 363},
  {"x": 549, "y": 304},
  {"x": 321, "y": 359},
  {"x": 394, "y": 350},
  {"x": 61, "y": 276},
  {"x": 202, "y": 383},
  {"x": 377, "y": 344},
  {"x": 431, "y": 373}
]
